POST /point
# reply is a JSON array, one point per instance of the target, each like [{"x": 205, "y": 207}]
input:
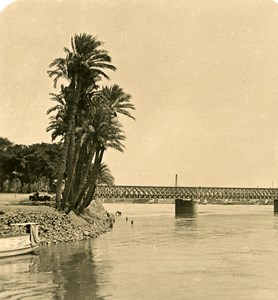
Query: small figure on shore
[
  {"x": 132, "y": 222},
  {"x": 126, "y": 219},
  {"x": 118, "y": 213}
]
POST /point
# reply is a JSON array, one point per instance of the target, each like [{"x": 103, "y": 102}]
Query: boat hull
[
  {"x": 17, "y": 245},
  {"x": 21, "y": 251}
]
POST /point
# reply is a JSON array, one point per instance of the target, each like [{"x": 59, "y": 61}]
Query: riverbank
[{"x": 56, "y": 227}]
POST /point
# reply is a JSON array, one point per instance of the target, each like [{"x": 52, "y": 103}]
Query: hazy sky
[{"x": 203, "y": 76}]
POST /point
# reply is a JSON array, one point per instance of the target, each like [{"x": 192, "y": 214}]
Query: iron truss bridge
[{"x": 202, "y": 193}]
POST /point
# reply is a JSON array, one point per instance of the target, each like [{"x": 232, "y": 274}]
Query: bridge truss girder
[{"x": 202, "y": 193}]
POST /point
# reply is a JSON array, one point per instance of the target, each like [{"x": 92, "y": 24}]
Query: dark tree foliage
[{"x": 30, "y": 165}]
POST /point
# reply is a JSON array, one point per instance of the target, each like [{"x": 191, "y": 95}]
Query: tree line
[
  {"x": 25, "y": 169},
  {"x": 28, "y": 169}
]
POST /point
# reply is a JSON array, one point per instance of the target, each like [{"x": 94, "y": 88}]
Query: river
[{"x": 226, "y": 252}]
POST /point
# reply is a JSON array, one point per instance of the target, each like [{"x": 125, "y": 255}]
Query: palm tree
[
  {"x": 104, "y": 176},
  {"x": 82, "y": 67},
  {"x": 107, "y": 133},
  {"x": 117, "y": 100},
  {"x": 84, "y": 147},
  {"x": 58, "y": 122}
]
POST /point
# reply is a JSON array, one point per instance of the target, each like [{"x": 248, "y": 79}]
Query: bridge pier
[
  {"x": 275, "y": 204},
  {"x": 186, "y": 207}
]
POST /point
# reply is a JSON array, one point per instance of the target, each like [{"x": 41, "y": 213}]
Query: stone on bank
[{"x": 56, "y": 227}]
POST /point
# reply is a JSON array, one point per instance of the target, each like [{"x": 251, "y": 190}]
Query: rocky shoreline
[{"x": 56, "y": 227}]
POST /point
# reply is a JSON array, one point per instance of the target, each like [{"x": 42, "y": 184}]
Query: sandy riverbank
[{"x": 54, "y": 226}]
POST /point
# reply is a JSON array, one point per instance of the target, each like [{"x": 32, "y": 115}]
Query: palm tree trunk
[
  {"x": 87, "y": 181},
  {"x": 79, "y": 169},
  {"x": 85, "y": 174},
  {"x": 65, "y": 149},
  {"x": 61, "y": 170},
  {"x": 91, "y": 168},
  {"x": 81, "y": 195},
  {"x": 71, "y": 174},
  {"x": 89, "y": 196}
]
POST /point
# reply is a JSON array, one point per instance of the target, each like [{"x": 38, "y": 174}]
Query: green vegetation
[
  {"x": 24, "y": 169},
  {"x": 86, "y": 120}
]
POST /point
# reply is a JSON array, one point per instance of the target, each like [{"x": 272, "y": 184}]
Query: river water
[{"x": 226, "y": 252}]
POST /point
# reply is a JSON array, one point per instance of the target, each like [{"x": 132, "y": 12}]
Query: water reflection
[
  {"x": 73, "y": 270},
  {"x": 18, "y": 265},
  {"x": 186, "y": 215},
  {"x": 18, "y": 278},
  {"x": 187, "y": 226},
  {"x": 63, "y": 271},
  {"x": 275, "y": 222}
]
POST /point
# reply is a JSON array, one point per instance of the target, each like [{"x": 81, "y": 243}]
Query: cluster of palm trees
[{"x": 86, "y": 118}]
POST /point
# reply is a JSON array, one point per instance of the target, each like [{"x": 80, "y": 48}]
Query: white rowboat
[{"x": 11, "y": 245}]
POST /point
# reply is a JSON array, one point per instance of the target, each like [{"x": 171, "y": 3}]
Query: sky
[{"x": 203, "y": 76}]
